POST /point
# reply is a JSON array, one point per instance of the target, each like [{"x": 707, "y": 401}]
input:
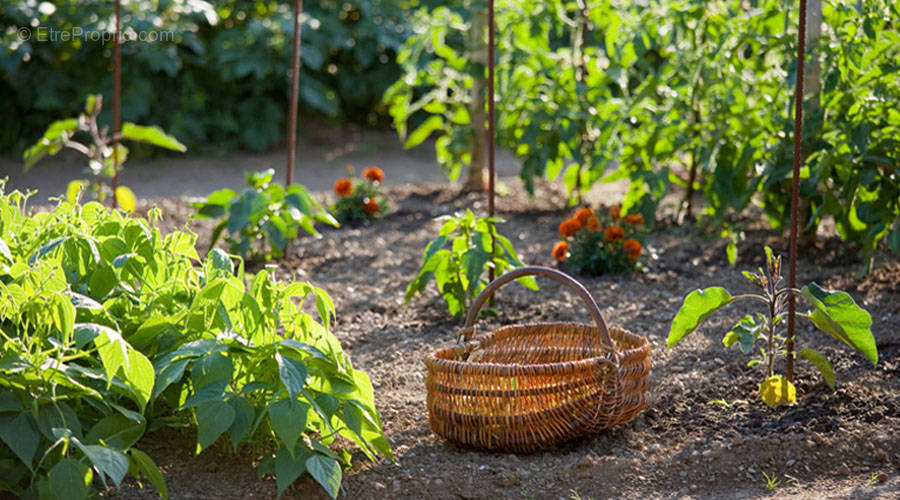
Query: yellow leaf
[
  {"x": 777, "y": 391},
  {"x": 73, "y": 192},
  {"x": 126, "y": 199}
]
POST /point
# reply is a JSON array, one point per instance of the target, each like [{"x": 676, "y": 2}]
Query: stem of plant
[{"x": 770, "y": 353}]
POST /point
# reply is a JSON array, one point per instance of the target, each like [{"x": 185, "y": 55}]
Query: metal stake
[
  {"x": 491, "y": 173},
  {"x": 117, "y": 101}
]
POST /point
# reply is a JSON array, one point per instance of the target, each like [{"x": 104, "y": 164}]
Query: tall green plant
[{"x": 111, "y": 328}]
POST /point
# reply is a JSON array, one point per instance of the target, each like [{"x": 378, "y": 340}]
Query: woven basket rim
[{"x": 432, "y": 360}]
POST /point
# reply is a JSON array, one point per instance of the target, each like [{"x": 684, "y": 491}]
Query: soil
[{"x": 832, "y": 444}]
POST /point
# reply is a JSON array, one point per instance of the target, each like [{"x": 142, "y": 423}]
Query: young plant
[
  {"x": 104, "y": 158},
  {"x": 263, "y": 218},
  {"x": 834, "y": 313},
  {"x": 459, "y": 269},
  {"x": 360, "y": 199},
  {"x": 602, "y": 242}
]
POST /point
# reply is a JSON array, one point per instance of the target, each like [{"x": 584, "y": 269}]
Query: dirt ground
[{"x": 833, "y": 444}]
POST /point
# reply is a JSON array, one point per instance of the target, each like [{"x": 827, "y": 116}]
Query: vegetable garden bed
[{"x": 704, "y": 434}]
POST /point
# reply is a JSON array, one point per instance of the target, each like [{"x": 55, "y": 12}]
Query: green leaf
[
  {"x": 213, "y": 418},
  {"x": 151, "y": 135},
  {"x": 288, "y": 418},
  {"x": 838, "y": 315},
  {"x": 221, "y": 260},
  {"x": 116, "y": 431},
  {"x": 146, "y": 466},
  {"x": 213, "y": 367},
  {"x": 289, "y": 466},
  {"x": 106, "y": 461},
  {"x": 824, "y": 366},
  {"x": 292, "y": 373},
  {"x": 21, "y": 435},
  {"x": 74, "y": 190},
  {"x": 139, "y": 376},
  {"x": 697, "y": 306},
  {"x": 110, "y": 345},
  {"x": 418, "y": 136},
  {"x": 70, "y": 479},
  {"x": 326, "y": 471},
  {"x": 170, "y": 373},
  {"x": 244, "y": 415},
  {"x": 745, "y": 332}
]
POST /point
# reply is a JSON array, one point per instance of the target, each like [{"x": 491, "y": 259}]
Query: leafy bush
[
  {"x": 359, "y": 200},
  {"x": 694, "y": 93},
  {"x": 458, "y": 270},
  {"x": 104, "y": 157},
  {"x": 111, "y": 329},
  {"x": 231, "y": 60},
  {"x": 263, "y": 218},
  {"x": 601, "y": 242},
  {"x": 834, "y": 313}
]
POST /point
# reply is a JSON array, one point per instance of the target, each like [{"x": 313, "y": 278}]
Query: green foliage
[
  {"x": 459, "y": 270},
  {"x": 834, "y": 313},
  {"x": 214, "y": 74},
  {"x": 364, "y": 200},
  {"x": 105, "y": 158},
  {"x": 108, "y": 328},
  {"x": 263, "y": 218},
  {"x": 675, "y": 92}
]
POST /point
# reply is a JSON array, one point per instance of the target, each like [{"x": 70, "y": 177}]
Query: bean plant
[
  {"x": 834, "y": 313},
  {"x": 105, "y": 156},
  {"x": 110, "y": 329},
  {"x": 459, "y": 270}
]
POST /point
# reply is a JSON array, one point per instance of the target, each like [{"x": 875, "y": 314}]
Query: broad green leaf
[
  {"x": 152, "y": 135},
  {"x": 70, "y": 479},
  {"x": 244, "y": 415},
  {"x": 110, "y": 345},
  {"x": 288, "y": 419},
  {"x": 697, "y": 306},
  {"x": 432, "y": 123},
  {"x": 105, "y": 460},
  {"x": 211, "y": 368},
  {"x": 213, "y": 418},
  {"x": 326, "y": 471},
  {"x": 146, "y": 466},
  {"x": 292, "y": 373},
  {"x": 139, "y": 376},
  {"x": 221, "y": 260},
  {"x": 838, "y": 315},
  {"x": 126, "y": 199},
  {"x": 116, "y": 431},
  {"x": 824, "y": 366},
  {"x": 21, "y": 435},
  {"x": 169, "y": 374},
  {"x": 289, "y": 466},
  {"x": 777, "y": 391}
]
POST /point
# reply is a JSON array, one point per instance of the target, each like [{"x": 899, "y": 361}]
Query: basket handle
[{"x": 469, "y": 329}]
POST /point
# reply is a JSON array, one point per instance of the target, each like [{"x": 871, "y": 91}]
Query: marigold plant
[
  {"x": 600, "y": 242},
  {"x": 359, "y": 199}
]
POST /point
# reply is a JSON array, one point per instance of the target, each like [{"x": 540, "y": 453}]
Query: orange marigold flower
[
  {"x": 569, "y": 227},
  {"x": 632, "y": 248},
  {"x": 615, "y": 212},
  {"x": 560, "y": 251},
  {"x": 593, "y": 224},
  {"x": 349, "y": 168},
  {"x": 614, "y": 233},
  {"x": 343, "y": 187},
  {"x": 583, "y": 215},
  {"x": 374, "y": 174},
  {"x": 370, "y": 206},
  {"x": 634, "y": 219}
]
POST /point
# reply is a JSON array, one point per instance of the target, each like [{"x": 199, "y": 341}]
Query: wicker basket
[{"x": 527, "y": 387}]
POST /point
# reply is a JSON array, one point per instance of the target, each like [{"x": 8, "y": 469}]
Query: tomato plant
[
  {"x": 459, "y": 270},
  {"x": 264, "y": 218}
]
